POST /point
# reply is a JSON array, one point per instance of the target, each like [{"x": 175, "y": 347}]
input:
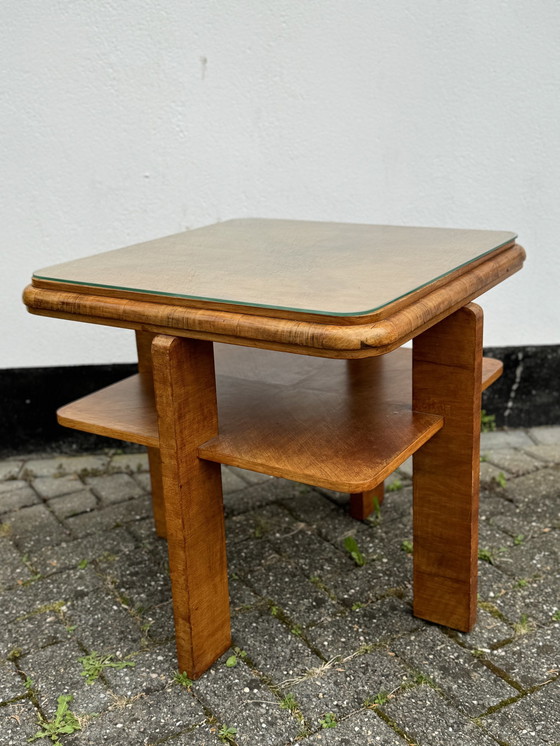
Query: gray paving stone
[
  {"x": 56, "y": 670},
  {"x": 144, "y": 481},
  {"x": 239, "y": 699},
  {"x": 536, "y": 599},
  {"x": 427, "y": 718},
  {"x": 108, "y": 544},
  {"x": 140, "y": 578},
  {"x": 511, "y": 460},
  {"x": 275, "y": 651},
  {"x": 147, "y": 720},
  {"x": 535, "y": 557},
  {"x": 261, "y": 493},
  {"x": 61, "y": 465},
  {"x": 534, "y": 720},
  {"x": 18, "y": 723},
  {"x": 533, "y": 659},
  {"x": 546, "y": 434},
  {"x": 12, "y": 569},
  {"x": 261, "y": 523},
  {"x": 464, "y": 678},
  {"x": 246, "y": 556},
  {"x": 332, "y": 522},
  {"x": 384, "y": 541},
  {"x": 159, "y": 624},
  {"x": 154, "y": 669},
  {"x": 27, "y": 600},
  {"x": 74, "y": 504},
  {"x": 490, "y": 474},
  {"x": 133, "y": 463},
  {"x": 10, "y": 469},
  {"x": 369, "y": 625},
  {"x": 34, "y": 527},
  {"x": 103, "y": 625},
  {"x": 504, "y": 439},
  {"x": 241, "y": 598},
  {"x": 379, "y": 577},
  {"x": 314, "y": 556},
  {"x": 232, "y": 482},
  {"x": 49, "y": 487},
  {"x": 11, "y": 683},
  {"x": 286, "y": 587},
  {"x": 114, "y": 488},
  {"x": 32, "y": 633},
  {"x": 492, "y": 582},
  {"x": 110, "y": 517},
  {"x": 344, "y": 686},
  {"x": 526, "y": 490},
  {"x": 529, "y": 519},
  {"x": 547, "y": 453},
  {"x": 16, "y": 494},
  {"x": 199, "y": 735},
  {"x": 487, "y": 631},
  {"x": 364, "y": 728}
]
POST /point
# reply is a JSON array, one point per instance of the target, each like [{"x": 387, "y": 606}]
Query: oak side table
[{"x": 343, "y": 412}]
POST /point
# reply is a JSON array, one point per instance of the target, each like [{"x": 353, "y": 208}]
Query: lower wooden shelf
[{"x": 343, "y": 425}]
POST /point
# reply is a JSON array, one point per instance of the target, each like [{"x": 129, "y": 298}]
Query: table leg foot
[
  {"x": 185, "y": 389},
  {"x": 363, "y": 504},
  {"x": 158, "y": 504},
  {"x": 447, "y": 371}
]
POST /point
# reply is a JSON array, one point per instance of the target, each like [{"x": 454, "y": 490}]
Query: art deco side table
[{"x": 343, "y": 412}]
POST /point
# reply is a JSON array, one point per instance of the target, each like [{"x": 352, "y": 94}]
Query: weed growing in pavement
[
  {"x": 351, "y": 546},
  {"x": 64, "y": 721},
  {"x": 328, "y": 721},
  {"x": 487, "y": 422},
  {"x": 94, "y": 664},
  {"x": 289, "y": 702},
  {"x": 227, "y": 735},
  {"x": 183, "y": 680}
]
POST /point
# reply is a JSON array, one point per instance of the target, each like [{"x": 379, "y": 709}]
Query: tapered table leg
[
  {"x": 144, "y": 349},
  {"x": 185, "y": 389},
  {"x": 447, "y": 371},
  {"x": 363, "y": 504}
]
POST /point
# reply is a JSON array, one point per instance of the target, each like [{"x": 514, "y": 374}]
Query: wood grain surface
[
  {"x": 288, "y": 335},
  {"x": 327, "y": 272},
  {"x": 184, "y": 384},
  {"x": 144, "y": 349},
  {"x": 259, "y": 383},
  {"x": 447, "y": 371}
]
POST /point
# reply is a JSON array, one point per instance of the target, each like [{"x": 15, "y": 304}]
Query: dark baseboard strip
[{"x": 527, "y": 395}]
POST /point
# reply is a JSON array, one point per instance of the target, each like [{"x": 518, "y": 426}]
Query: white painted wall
[{"x": 125, "y": 121}]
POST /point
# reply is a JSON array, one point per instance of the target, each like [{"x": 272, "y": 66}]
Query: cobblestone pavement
[{"x": 325, "y": 651}]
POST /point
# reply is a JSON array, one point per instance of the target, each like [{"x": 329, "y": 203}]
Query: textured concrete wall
[{"x": 124, "y": 121}]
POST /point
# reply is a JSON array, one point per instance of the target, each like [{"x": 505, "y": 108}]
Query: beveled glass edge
[{"x": 246, "y": 304}]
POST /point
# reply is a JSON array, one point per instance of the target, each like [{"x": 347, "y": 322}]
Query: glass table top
[{"x": 334, "y": 269}]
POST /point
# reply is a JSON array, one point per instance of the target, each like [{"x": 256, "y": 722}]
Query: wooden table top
[
  {"x": 297, "y": 284},
  {"x": 299, "y": 268}
]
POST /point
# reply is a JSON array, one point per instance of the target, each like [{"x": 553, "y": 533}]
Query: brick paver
[{"x": 324, "y": 651}]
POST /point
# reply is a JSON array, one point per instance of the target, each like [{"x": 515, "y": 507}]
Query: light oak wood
[
  {"x": 144, "y": 349},
  {"x": 447, "y": 367},
  {"x": 123, "y": 410},
  {"x": 370, "y": 390},
  {"x": 337, "y": 273},
  {"x": 185, "y": 392},
  {"x": 287, "y": 335},
  {"x": 363, "y": 504}
]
